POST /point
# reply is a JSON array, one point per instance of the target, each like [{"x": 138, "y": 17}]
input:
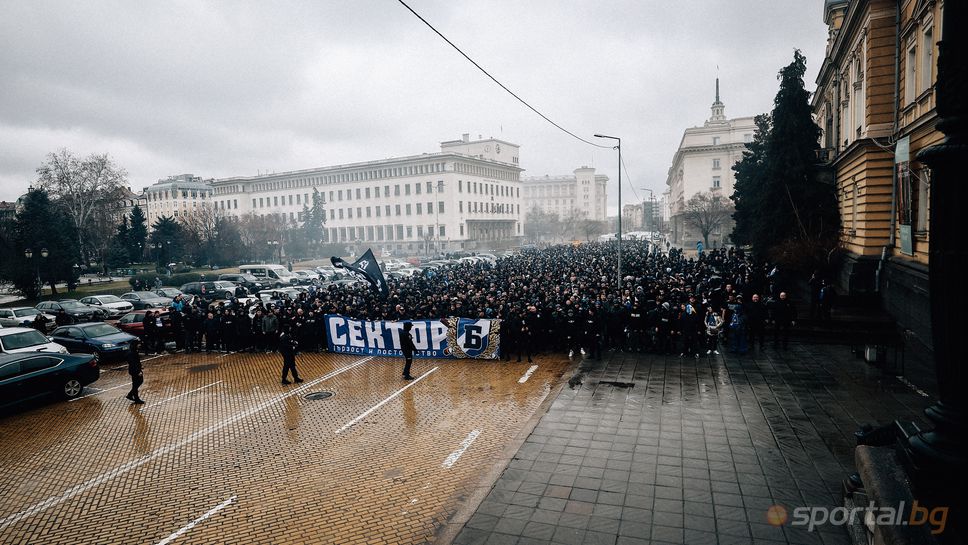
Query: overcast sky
[{"x": 224, "y": 89}]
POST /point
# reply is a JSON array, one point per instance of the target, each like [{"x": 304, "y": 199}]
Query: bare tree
[
  {"x": 85, "y": 188},
  {"x": 707, "y": 212},
  {"x": 592, "y": 228}
]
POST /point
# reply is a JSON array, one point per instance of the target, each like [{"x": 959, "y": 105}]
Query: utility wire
[
  {"x": 512, "y": 93},
  {"x": 629, "y": 178}
]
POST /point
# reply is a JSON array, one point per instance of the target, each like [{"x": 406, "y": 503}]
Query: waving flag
[{"x": 366, "y": 269}]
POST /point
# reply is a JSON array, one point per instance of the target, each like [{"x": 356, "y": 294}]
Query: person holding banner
[{"x": 406, "y": 346}]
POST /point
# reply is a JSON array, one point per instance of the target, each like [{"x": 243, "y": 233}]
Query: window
[
  {"x": 398, "y": 209},
  {"x": 386, "y": 209},
  {"x": 430, "y": 187},
  {"x": 420, "y": 231},
  {"x": 416, "y": 188},
  {"x": 377, "y": 211},
  {"x": 298, "y": 199},
  {"x": 923, "y": 180},
  {"x": 368, "y": 211},
  {"x": 716, "y": 164},
  {"x": 340, "y": 213},
  {"x": 460, "y": 186},
  {"x": 440, "y": 207},
  {"x": 717, "y": 182},
  {"x": 419, "y": 207},
  {"x": 927, "y": 58},
  {"x": 368, "y": 192},
  {"x": 441, "y": 231},
  {"x": 396, "y": 190},
  {"x": 358, "y": 193},
  {"x": 275, "y": 201},
  {"x": 460, "y": 206},
  {"x": 409, "y": 208},
  {"x": 910, "y": 74},
  {"x": 715, "y": 140},
  {"x": 406, "y": 189},
  {"x": 462, "y": 229}
]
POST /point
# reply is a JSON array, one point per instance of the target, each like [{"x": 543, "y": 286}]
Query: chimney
[{"x": 466, "y": 137}]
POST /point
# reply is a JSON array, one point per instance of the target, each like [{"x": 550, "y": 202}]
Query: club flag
[{"x": 366, "y": 269}]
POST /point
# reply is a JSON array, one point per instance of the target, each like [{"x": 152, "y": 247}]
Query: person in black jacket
[
  {"x": 136, "y": 372},
  {"x": 287, "y": 347},
  {"x": 406, "y": 346},
  {"x": 151, "y": 332},
  {"x": 784, "y": 316}
]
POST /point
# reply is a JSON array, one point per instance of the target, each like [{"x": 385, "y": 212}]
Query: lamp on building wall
[{"x": 619, "y": 148}]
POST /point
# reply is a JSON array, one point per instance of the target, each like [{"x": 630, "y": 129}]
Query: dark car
[
  {"x": 146, "y": 299},
  {"x": 247, "y": 281},
  {"x": 108, "y": 342},
  {"x": 25, "y": 376},
  {"x": 133, "y": 323},
  {"x": 210, "y": 291},
  {"x": 79, "y": 312}
]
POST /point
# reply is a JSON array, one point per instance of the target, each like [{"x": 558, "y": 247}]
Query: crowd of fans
[{"x": 563, "y": 298}]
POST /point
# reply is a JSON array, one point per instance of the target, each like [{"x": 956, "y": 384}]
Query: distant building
[
  {"x": 467, "y": 196},
  {"x": 703, "y": 164},
  {"x": 8, "y": 211},
  {"x": 582, "y": 193},
  {"x": 875, "y": 103},
  {"x": 176, "y": 196}
]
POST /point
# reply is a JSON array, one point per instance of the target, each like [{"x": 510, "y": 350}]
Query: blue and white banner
[{"x": 450, "y": 338}]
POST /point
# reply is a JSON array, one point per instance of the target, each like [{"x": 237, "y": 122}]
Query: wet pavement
[
  {"x": 223, "y": 453},
  {"x": 662, "y": 450}
]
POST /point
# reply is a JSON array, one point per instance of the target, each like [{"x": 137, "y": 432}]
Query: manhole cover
[
  {"x": 318, "y": 395},
  {"x": 617, "y": 384},
  {"x": 206, "y": 367}
]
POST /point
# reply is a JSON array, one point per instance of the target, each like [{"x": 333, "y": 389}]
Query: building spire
[{"x": 718, "y": 109}]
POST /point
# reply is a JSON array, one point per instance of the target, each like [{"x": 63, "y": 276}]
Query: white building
[
  {"x": 467, "y": 196},
  {"x": 704, "y": 163},
  {"x": 582, "y": 193},
  {"x": 176, "y": 196}
]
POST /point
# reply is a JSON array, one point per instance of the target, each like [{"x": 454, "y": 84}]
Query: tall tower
[{"x": 718, "y": 114}]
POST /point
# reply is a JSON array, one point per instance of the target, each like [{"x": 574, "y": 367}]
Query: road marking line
[
  {"x": 527, "y": 374},
  {"x": 454, "y": 456},
  {"x": 154, "y": 357},
  {"x": 353, "y": 422},
  {"x": 136, "y": 463},
  {"x": 903, "y": 380},
  {"x": 99, "y": 391},
  {"x": 182, "y": 395},
  {"x": 226, "y": 354},
  {"x": 197, "y": 521}
]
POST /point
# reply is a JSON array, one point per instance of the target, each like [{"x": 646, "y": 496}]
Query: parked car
[
  {"x": 106, "y": 341},
  {"x": 276, "y": 296},
  {"x": 276, "y": 275},
  {"x": 14, "y": 340},
  {"x": 172, "y": 293},
  {"x": 247, "y": 281},
  {"x": 209, "y": 291},
  {"x": 146, "y": 299},
  {"x": 133, "y": 323},
  {"x": 23, "y": 317},
  {"x": 25, "y": 376},
  {"x": 75, "y": 309},
  {"x": 115, "y": 306},
  {"x": 306, "y": 277}
]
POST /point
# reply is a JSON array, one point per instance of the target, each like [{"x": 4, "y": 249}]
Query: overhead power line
[{"x": 495, "y": 80}]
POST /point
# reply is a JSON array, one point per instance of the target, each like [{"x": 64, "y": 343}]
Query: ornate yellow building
[{"x": 875, "y": 105}]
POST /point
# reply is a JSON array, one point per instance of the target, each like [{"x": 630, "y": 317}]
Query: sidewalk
[{"x": 694, "y": 451}]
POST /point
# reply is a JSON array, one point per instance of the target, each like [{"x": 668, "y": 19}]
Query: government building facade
[
  {"x": 464, "y": 197},
  {"x": 582, "y": 193},
  {"x": 703, "y": 163}
]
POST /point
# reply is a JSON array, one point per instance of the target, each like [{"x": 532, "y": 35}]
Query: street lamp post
[
  {"x": 29, "y": 254},
  {"x": 275, "y": 244},
  {"x": 619, "y": 148},
  {"x": 440, "y": 189}
]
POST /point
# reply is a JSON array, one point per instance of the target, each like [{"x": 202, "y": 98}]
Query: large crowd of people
[{"x": 562, "y": 298}]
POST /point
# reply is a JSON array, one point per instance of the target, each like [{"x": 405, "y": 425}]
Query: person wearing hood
[{"x": 714, "y": 324}]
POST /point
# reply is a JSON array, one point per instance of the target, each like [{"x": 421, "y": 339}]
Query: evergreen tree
[
  {"x": 314, "y": 222},
  {"x": 39, "y": 226},
  {"x": 138, "y": 234},
  {"x": 170, "y": 235},
  {"x": 781, "y": 208}
]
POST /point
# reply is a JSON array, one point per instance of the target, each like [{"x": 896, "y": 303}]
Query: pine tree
[
  {"x": 781, "y": 208},
  {"x": 39, "y": 226},
  {"x": 138, "y": 234}
]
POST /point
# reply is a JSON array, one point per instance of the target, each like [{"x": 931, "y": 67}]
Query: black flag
[{"x": 367, "y": 269}]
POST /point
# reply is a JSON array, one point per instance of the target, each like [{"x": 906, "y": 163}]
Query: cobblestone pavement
[
  {"x": 694, "y": 452},
  {"x": 223, "y": 453}
]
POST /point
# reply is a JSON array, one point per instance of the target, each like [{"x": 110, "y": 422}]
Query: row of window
[
  {"x": 374, "y": 233},
  {"x": 175, "y": 193},
  {"x": 356, "y": 176},
  {"x": 918, "y": 70},
  {"x": 385, "y": 210}
]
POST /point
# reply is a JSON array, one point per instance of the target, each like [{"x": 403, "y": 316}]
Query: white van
[{"x": 275, "y": 275}]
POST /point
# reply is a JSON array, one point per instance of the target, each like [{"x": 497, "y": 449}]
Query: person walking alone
[
  {"x": 406, "y": 346},
  {"x": 287, "y": 347},
  {"x": 136, "y": 372}
]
